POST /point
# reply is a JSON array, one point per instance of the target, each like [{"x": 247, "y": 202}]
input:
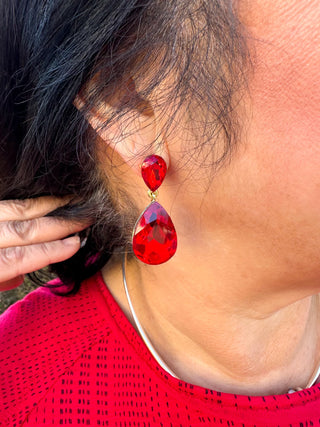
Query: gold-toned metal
[{"x": 153, "y": 195}]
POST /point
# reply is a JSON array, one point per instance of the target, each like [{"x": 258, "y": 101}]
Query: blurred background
[{"x": 9, "y": 297}]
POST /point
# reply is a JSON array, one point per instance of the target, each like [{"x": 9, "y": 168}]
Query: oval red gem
[
  {"x": 154, "y": 236},
  {"x": 153, "y": 170}
]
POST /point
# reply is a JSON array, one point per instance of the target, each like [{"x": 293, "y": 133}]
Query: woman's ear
[{"x": 135, "y": 133}]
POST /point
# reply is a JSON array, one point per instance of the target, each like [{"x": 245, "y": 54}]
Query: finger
[
  {"x": 38, "y": 230},
  {"x": 18, "y": 210},
  {"x": 11, "y": 284},
  {"x": 17, "y": 261}
]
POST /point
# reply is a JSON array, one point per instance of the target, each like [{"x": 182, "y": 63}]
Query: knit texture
[{"x": 77, "y": 361}]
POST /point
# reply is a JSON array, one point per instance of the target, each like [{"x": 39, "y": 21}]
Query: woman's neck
[{"x": 209, "y": 340}]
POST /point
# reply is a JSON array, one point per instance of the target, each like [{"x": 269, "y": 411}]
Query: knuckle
[
  {"x": 19, "y": 207},
  {"x": 47, "y": 251},
  {"x": 25, "y": 230},
  {"x": 10, "y": 257}
]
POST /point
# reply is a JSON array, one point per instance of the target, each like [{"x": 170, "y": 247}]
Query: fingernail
[{"x": 72, "y": 241}]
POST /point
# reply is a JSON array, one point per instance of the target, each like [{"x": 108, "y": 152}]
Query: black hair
[{"x": 50, "y": 49}]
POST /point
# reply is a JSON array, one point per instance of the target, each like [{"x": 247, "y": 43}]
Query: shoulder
[
  {"x": 42, "y": 313},
  {"x": 41, "y": 336}
]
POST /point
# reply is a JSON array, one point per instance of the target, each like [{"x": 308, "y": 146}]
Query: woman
[{"x": 227, "y": 331}]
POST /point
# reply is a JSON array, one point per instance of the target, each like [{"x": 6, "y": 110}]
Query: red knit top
[{"x": 77, "y": 361}]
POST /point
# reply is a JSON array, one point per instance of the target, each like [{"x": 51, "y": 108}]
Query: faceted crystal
[
  {"x": 153, "y": 170},
  {"x": 154, "y": 236}
]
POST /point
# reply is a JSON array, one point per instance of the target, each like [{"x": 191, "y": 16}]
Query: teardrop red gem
[
  {"x": 154, "y": 236},
  {"x": 153, "y": 170}
]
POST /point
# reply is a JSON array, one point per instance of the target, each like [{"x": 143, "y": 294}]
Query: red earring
[{"x": 154, "y": 238}]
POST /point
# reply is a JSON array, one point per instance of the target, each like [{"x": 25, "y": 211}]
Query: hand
[{"x": 29, "y": 241}]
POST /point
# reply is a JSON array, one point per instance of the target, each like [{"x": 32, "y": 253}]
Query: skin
[
  {"x": 28, "y": 241},
  {"x": 236, "y": 309},
  {"x": 240, "y": 295}
]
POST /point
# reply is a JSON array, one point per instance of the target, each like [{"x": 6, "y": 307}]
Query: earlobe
[{"x": 133, "y": 135}]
